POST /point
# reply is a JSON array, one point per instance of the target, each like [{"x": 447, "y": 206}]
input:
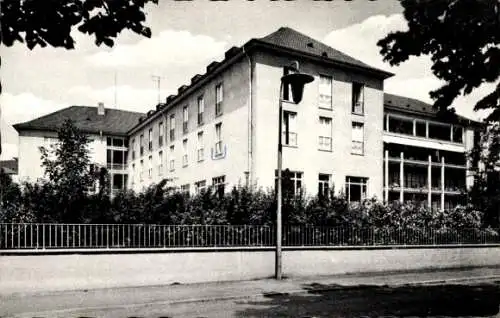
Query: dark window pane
[
  {"x": 458, "y": 134},
  {"x": 118, "y": 156},
  {"x": 439, "y": 132},
  {"x": 420, "y": 129},
  {"x": 401, "y": 126},
  {"x": 355, "y": 191}
]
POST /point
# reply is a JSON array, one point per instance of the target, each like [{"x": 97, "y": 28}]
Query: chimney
[{"x": 100, "y": 109}]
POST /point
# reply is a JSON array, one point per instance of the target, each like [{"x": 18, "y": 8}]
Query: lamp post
[{"x": 297, "y": 82}]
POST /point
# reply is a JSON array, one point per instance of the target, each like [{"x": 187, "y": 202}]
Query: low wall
[{"x": 51, "y": 271}]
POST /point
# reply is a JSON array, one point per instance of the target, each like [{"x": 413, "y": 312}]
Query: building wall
[
  {"x": 30, "y": 163},
  {"x": 234, "y": 161},
  {"x": 306, "y": 157},
  {"x": 88, "y": 271}
]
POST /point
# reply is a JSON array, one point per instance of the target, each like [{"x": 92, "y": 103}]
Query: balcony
[
  {"x": 357, "y": 108},
  {"x": 357, "y": 148},
  {"x": 218, "y": 148},
  {"x": 200, "y": 155}
]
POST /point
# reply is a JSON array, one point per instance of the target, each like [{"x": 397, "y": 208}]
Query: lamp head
[{"x": 297, "y": 81}]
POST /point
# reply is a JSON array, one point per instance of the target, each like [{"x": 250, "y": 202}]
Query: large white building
[
  {"x": 222, "y": 129},
  {"x": 107, "y": 132}
]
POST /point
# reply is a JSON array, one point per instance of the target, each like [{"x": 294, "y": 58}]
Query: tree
[
  {"x": 462, "y": 37},
  {"x": 50, "y": 22},
  {"x": 68, "y": 168},
  {"x": 10, "y": 199}
]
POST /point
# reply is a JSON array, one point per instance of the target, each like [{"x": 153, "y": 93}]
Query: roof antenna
[
  {"x": 116, "y": 93},
  {"x": 157, "y": 79}
]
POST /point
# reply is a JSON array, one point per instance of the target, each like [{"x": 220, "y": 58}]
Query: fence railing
[{"x": 103, "y": 236}]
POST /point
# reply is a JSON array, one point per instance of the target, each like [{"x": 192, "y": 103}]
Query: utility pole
[
  {"x": 116, "y": 94},
  {"x": 157, "y": 79}
]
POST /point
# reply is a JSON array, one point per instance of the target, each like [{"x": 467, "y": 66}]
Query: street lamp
[{"x": 297, "y": 81}]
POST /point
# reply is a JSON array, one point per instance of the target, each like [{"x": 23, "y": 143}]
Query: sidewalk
[{"x": 208, "y": 292}]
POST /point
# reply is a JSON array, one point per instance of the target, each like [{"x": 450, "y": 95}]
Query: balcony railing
[
  {"x": 38, "y": 236},
  {"x": 200, "y": 154},
  {"x": 357, "y": 108},
  {"x": 357, "y": 147}
]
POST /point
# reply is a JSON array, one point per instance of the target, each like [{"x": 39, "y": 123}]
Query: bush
[{"x": 160, "y": 204}]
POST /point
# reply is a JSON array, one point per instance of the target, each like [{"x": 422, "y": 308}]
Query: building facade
[
  {"x": 106, "y": 130},
  {"x": 222, "y": 130}
]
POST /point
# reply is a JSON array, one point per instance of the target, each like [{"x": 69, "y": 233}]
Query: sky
[{"x": 187, "y": 36}]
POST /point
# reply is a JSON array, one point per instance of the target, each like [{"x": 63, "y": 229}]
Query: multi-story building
[
  {"x": 425, "y": 155},
  {"x": 106, "y": 130},
  {"x": 222, "y": 128}
]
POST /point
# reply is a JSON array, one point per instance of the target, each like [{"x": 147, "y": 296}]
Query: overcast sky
[{"x": 187, "y": 35}]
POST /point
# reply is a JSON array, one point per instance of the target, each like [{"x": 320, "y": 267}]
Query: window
[
  {"x": 287, "y": 90},
  {"x": 289, "y": 129},
  {"x": 200, "y": 186},
  {"x": 184, "y": 155},
  {"x": 457, "y": 134},
  {"x": 219, "y": 183},
  {"x": 160, "y": 134},
  {"x": 172, "y": 127},
  {"x": 357, "y": 138},
  {"x": 201, "y": 109},
  {"x": 218, "y": 99},
  {"x": 132, "y": 173},
  {"x": 325, "y": 131},
  {"x": 200, "y": 150},
  {"x": 160, "y": 162},
  {"x": 218, "y": 138},
  {"x": 440, "y": 132},
  {"x": 150, "y": 166},
  {"x": 323, "y": 184},
  {"x": 141, "y": 172},
  {"x": 133, "y": 148},
  {"x": 420, "y": 128},
  {"x": 185, "y": 119},
  {"x": 119, "y": 182},
  {"x": 141, "y": 145},
  {"x": 401, "y": 125},
  {"x": 355, "y": 188},
  {"x": 185, "y": 188},
  {"x": 325, "y": 92},
  {"x": 172, "y": 159},
  {"x": 358, "y": 97},
  {"x": 150, "y": 139},
  {"x": 291, "y": 181}
]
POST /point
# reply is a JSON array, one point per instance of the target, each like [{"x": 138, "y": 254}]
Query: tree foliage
[
  {"x": 68, "y": 169},
  {"x": 462, "y": 37},
  {"x": 50, "y": 22}
]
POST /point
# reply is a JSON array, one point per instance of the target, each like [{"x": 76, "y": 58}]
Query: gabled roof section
[
  {"x": 290, "y": 39},
  {"x": 418, "y": 107},
  {"x": 113, "y": 122},
  {"x": 285, "y": 40}
]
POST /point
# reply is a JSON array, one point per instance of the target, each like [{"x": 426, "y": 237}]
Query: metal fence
[{"x": 103, "y": 236}]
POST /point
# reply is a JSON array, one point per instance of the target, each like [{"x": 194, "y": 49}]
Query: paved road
[{"x": 367, "y": 296}]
